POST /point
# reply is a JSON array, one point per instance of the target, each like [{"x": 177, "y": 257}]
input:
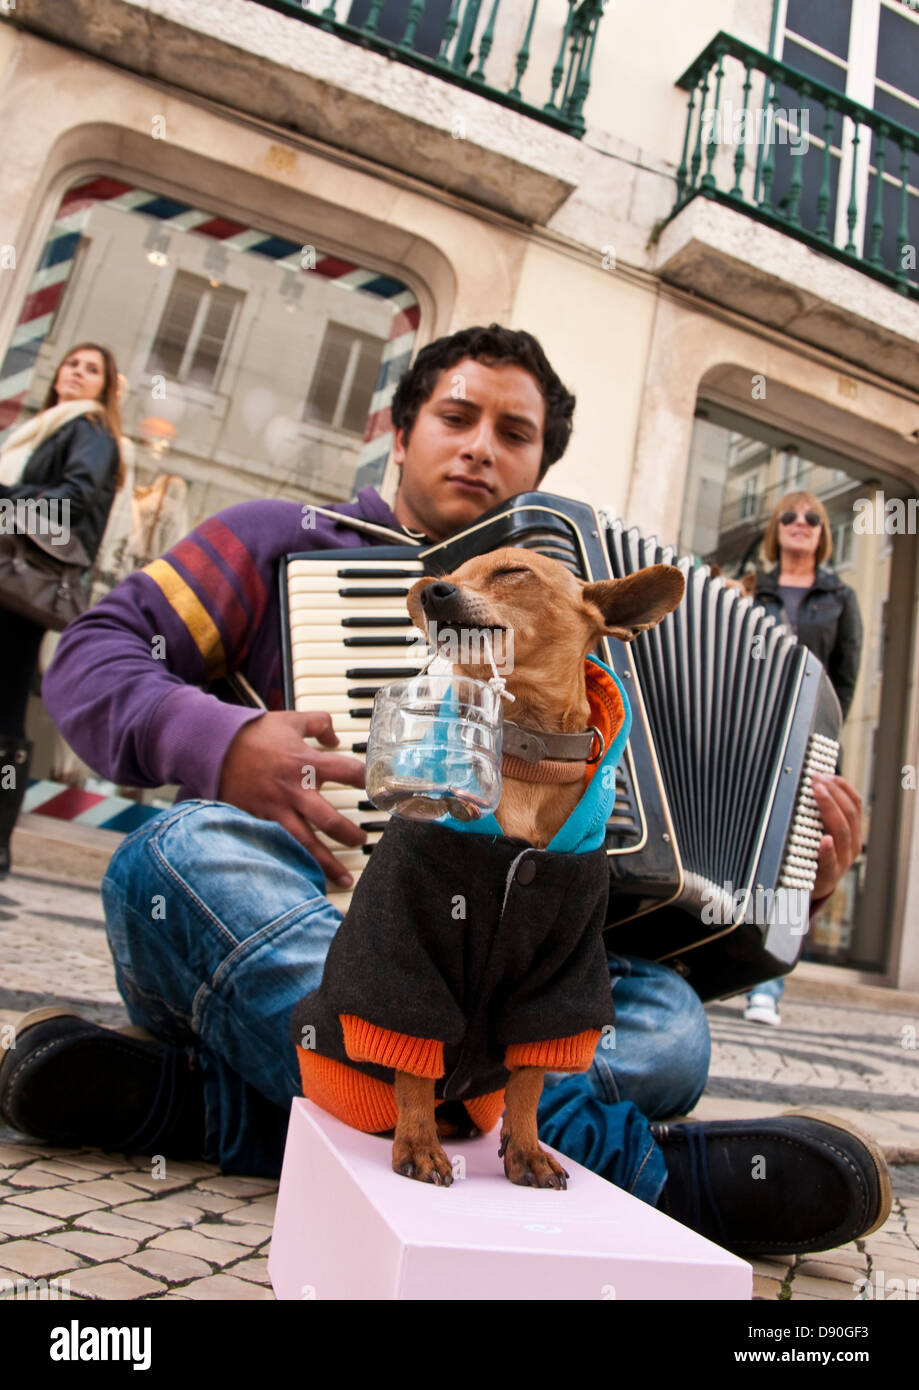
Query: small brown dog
[{"x": 556, "y": 620}]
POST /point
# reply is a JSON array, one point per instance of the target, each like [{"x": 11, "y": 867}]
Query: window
[
  {"x": 824, "y": 23},
  {"x": 842, "y": 544},
  {"x": 194, "y": 330},
  {"x": 749, "y": 500},
  {"x": 794, "y": 470},
  {"x": 345, "y": 378},
  {"x": 868, "y": 49},
  {"x": 393, "y": 18}
]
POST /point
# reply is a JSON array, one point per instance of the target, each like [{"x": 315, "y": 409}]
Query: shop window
[
  {"x": 729, "y": 527},
  {"x": 255, "y": 365}
]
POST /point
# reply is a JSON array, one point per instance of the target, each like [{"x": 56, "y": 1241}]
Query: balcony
[
  {"x": 834, "y": 201},
  {"x": 453, "y": 40},
  {"x": 776, "y": 166},
  {"x": 480, "y": 99}
]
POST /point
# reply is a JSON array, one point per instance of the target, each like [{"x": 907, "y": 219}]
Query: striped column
[{"x": 93, "y": 809}]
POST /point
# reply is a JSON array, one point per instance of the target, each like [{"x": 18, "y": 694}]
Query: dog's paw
[
  {"x": 531, "y": 1167},
  {"x": 426, "y": 1162}
]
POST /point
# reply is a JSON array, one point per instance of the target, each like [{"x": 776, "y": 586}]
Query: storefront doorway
[{"x": 739, "y": 470}]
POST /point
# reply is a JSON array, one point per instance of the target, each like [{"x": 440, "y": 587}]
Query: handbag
[{"x": 42, "y": 581}]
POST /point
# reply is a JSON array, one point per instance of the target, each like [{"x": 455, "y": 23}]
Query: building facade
[{"x": 709, "y": 215}]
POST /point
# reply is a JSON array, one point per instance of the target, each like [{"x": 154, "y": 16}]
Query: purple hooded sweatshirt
[{"x": 125, "y": 684}]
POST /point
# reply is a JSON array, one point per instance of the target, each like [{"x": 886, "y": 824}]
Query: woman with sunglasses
[{"x": 823, "y": 613}]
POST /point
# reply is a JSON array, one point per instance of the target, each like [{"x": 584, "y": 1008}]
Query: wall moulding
[
  {"x": 692, "y": 347},
  {"x": 721, "y": 255},
  {"x": 280, "y": 207}
]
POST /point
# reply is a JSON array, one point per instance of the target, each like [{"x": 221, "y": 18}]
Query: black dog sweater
[{"x": 463, "y": 954}]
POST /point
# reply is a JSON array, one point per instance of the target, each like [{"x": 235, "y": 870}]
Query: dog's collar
[
  {"x": 534, "y": 755},
  {"x": 546, "y": 770},
  {"x": 538, "y": 746}
]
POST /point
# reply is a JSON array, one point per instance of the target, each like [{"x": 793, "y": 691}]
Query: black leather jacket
[
  {"x": 829, "y": 625},
  {"x": 78, "y": 462}
]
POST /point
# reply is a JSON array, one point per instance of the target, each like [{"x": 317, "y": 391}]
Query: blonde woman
[
  {"x": 821, "y": 610},
  {"x": 823, "y": 613},
  {"x": 67, "y": 452}
]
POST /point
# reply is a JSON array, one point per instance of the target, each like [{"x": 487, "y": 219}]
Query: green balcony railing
[
  {"x": 789, "y": 150},
  {"x": 453, "y": 39}
]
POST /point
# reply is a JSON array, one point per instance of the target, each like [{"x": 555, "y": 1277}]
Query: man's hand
[
  {"x": 841, "y": 811},
  {"x": 263, "y": 773}
]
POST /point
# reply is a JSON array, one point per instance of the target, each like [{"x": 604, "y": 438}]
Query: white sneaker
[{"x": 762, "y": 1009}]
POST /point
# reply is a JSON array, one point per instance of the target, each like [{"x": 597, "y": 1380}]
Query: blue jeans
[
  {"x": 218, "y": 924},
  {"x": 774, "y": 988}
]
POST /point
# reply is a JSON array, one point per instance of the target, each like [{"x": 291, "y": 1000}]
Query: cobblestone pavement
[
  {"x": 123, "y": 1227},
  {"x": 852, "y": 1061}
]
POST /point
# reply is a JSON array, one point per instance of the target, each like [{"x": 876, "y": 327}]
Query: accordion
[{"x": 712, "y": 844}]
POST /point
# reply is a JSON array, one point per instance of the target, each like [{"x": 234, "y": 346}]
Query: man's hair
[{"x": 490, "y": 346}]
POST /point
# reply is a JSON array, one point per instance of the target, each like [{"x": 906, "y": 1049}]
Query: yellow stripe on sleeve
[{"x": 185, "y": 602}]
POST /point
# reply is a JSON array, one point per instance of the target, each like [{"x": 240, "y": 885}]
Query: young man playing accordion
[{"x": 239, "y": 872}]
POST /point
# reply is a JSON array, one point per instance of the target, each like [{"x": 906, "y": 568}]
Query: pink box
[{"x": 348, "y": 1227}]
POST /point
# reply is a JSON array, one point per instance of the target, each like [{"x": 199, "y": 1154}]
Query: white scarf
[{"x": 25, "y": 440}]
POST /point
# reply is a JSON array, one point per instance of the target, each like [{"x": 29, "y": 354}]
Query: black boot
[{"x": 15, "y": 756}]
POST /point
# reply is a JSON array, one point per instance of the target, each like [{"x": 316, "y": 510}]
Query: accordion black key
[{"x": 713, "y": 838}]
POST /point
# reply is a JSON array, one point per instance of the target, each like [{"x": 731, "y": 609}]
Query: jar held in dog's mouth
[{"x": 434, "y": 748}]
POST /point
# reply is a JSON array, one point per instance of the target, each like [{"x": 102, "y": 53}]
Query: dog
[{"x": 430, "y": 1022}]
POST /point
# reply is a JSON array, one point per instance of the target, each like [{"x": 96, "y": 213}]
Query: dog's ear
[
  {"x": 632, "y": 605},
  {"x": 715, "y": 570}
]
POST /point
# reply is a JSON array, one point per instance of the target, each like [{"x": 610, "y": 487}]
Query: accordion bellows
[{"x": 723, "y": 684}]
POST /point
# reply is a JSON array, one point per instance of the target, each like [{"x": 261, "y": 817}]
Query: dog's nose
[{"x": 436, "y": 598}]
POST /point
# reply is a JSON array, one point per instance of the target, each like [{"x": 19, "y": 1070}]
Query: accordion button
[{"x": 526, "y": 872}]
